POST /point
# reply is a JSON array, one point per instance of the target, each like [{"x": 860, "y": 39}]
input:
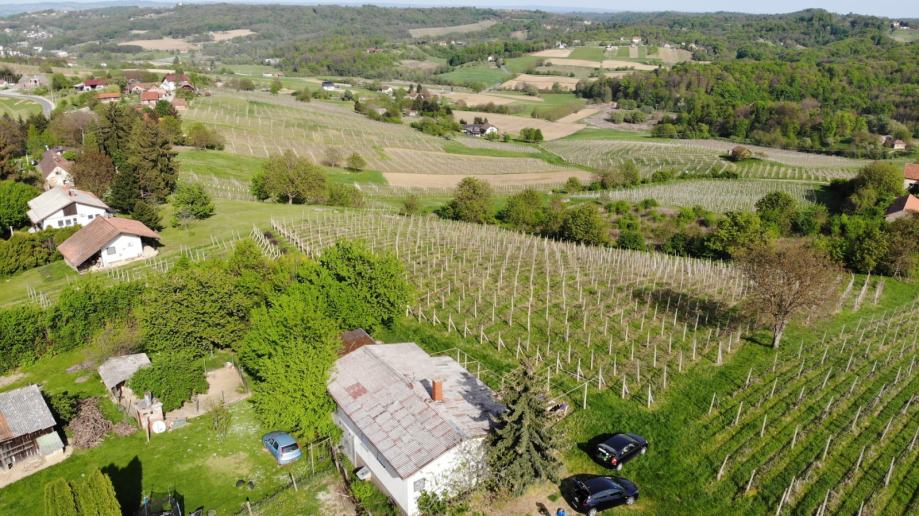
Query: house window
[
  {"x": 90, "y": 216},
  {"x": 419, "y": 485},
  {"x": 69, "y": 222},
  {"x": 110, "y": 250},
  {"x": 60, "y": 223}
]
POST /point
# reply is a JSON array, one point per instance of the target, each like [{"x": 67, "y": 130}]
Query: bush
[
  {"x": 172, "y": 377},
  {"x": 148, "y": 214},
  {"x": 631, "y": 240},
  {"x": 64, "y": 406},
  {"x": 740, "y": 153},
  {"x": 24, "y": 251},
  {"x": 585, "y": 224},
  {"x": 531, "y": 135},
  {"x": 22, "y": 336},
  {"x": 356, "y": 162},
  {"x": 198, "y": 135},
  {"x": 471, "y": 202},
  {"x": 191, "y": 201},
  {"x": 345, "y": 195},
  {"x": 14, "y": 198},
  {"x": 85, "y": 307}
]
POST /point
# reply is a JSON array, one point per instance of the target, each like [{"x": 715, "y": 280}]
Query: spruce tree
[
  {"x": 125, "y": 191},
  {"x": 113, "y": 130},
  {"x": 521, "y": 451},
  {"x": 106, "y": 500},
  {"x": 152, "y": 159},
  {"x": 59, "y": 499}
]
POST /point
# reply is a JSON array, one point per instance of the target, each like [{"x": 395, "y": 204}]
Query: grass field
[
  {"x": 521, "y": 64},
  {"x": 588, "y": 53},
  {"x": 18, "y": 108},
  {"x": 433, "y": 32},
  {"x": 486, "y": 74}
]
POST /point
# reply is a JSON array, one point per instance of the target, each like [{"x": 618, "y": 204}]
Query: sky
[{"x": 888, "y": 8}]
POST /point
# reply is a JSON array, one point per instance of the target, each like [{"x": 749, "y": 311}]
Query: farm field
[
  {"x": 702, "y": 155},
  {"x": 541, "y": 82},
  {"x": 719, "y": 195},
  {"x": 513, "y": 124},
  {"x": 18, "y": 108},
  {"x": 258, "y": 125},
  {"x": 498, "y": 99},
  {"x": 433, "y": 32},
  {"x": 481, "y": 73}
]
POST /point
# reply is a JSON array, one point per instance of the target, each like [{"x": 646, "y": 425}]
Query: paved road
[{"x": 46, "y": 105}]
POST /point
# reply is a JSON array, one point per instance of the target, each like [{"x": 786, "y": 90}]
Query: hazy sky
[{"x": 889, "y": 8}]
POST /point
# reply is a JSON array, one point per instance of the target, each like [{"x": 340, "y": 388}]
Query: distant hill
[{"x": 13, "y": 9}]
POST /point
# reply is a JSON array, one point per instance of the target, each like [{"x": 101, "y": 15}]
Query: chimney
[{"x": 437, "y": 390}]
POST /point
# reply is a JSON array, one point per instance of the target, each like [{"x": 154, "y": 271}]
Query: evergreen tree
[
  {"x": 113, "y": 131},
  {"x": 151, "y": 158},
  {"x": 125, "y": 191},
  {"x": 104, "y": 494},
  {"x": 522, "y": 449},
  {"x": 59, "y": 499},
  {"x": 149, "y": 214}
]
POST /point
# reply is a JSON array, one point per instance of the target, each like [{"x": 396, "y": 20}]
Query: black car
[
  {"x": 621, "y": 448},
  {"x": 595, "y": 494}
]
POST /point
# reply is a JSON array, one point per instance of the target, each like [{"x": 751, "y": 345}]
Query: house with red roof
[
  {"x": 91, "y": 85},
  {"x": 902, "y": 207},
  {"x": 910, "y": 175},
  {"x": 172, "y": 82},
  {"x": 150, "y": 98},
  {"x": 107, "y": 242}
]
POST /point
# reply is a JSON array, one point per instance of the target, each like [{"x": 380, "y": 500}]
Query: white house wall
[
  {"x": 84, "y": 215},
  {"x": 454, "y": 470},
  {"x": 124, "y": 247}
]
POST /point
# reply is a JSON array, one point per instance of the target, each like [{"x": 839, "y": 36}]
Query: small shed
[
  {"x": 117, "y": 370},
  {"x": 25, "y": 421}
]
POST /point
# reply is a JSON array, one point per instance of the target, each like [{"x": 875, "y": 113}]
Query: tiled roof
[
  {"x": 118, "y": 369},
  {"x": 904, "y": 203},
  {"x": 59, "y": 198},
  {"x": 354, "y": 339},
  {"x": 385, "y": 390},
  {"x": 91, "y": 238},
  {"x": 23, "y": 411},
  {"x": 150, "y": 95},
  {"x": 52, "y": 158},
  {"x": 911, "y": 171},
  {"x": 104, "y": 96}
]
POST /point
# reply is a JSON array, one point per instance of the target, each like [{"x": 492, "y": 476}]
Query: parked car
[
  {"x": 621, "y": 448},
  {"x": 596, "y": 494},
  {"x": 283, "y": 446}
]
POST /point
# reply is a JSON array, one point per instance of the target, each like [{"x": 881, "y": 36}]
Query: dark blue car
[
  {"x": 596, "y": 494},
  {"x": 621, "y": 448},
  {"x": 283, "y": 446}
]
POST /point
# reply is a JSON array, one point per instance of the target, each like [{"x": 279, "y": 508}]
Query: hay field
[
  {"x": 617, "y": 63},
  {"x": 579, "y": 63},
  {"x": 165, "y": 44},
  {"x": 541, "y": 82},
  {"x": 671, "y": 56},
  {"x": 513, "y": 124},
  {"x": 224, "y": 35},
  {"x": 259, "y": 124},
  {"x": 499, "y": 99},
  {"x": 553, "y": 52},
  {"x": 433, "y": 32}
]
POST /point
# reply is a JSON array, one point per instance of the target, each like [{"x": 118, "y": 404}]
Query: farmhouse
[
  {"x": 65, "y": 206},
  {"x": 172, "y": 82},
  {"x": 108, "y": 98},
  {"x": 107, "y": 241},
  {"x": 55, "y": 169},
  {"x": 479, "y": 129},
  {"x": 910, "y": 175},
  {"x": 91, "y": 85},
  {"x": 416, "y": 422},
  {"x": 150, "y": 98},
  {"x": 894, "y": 143},
  {"x": 902, "y": 207},
  {"x": 26, "y": 427},
  {"x": 138, "y": 88}
]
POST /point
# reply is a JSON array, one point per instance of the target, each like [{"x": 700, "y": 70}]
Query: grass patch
[
  {"x": 593, "y": 133},
  {"x": 201, "y": 466},
  {"x": 587, "y": 53},
  {"x": 522, "y": 64},
  {"x": 18, "y": 108},
  {"x": 475, "y": 73}
]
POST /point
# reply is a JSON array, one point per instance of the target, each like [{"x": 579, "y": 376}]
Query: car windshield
[{"x": 289, "y": 448}]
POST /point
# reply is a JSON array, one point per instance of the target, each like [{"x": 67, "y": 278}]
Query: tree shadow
[
  {"x": 128, "y": 483},
  {"x": 689, "y": 307}
]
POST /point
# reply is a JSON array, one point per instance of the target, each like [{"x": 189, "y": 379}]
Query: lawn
[
  {"x": 522, "y": 64},
  {"x": 587, "y": 53},
  {"x": 475, "y": 73},
  {"x": 18, "y": 108},
  {"x": 200, "y": 465},
  {"x": 593, "y": 133}
]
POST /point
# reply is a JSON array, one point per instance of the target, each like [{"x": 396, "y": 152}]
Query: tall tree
[
  {"x": 93, "y": 170},
  {"x": 125, "y": 190},
  {"x": 471, "y": 202},
  {"x": 785, "y": 280},
  {"x": 295, "y": 179},
  {"x": 113, "y": 132},
  {"x": 12, "y": 146},
  {"x": 522, "y": 450},
  {"x": 152, "y": 159}
]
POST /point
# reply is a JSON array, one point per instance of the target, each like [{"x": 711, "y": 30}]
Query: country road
[{"x": 46, "y": 105}]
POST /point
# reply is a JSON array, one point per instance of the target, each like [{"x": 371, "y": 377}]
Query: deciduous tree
[
  {"x": 14, "y": 198},
  {"x": 93, "y": 170}
]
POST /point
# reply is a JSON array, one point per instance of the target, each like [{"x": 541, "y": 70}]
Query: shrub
[
  {"x": 356, "y": 162},
  {"x": 85, "y": 307},
  {"x": 531, "y": 135},
  {"x": 631, "y": 240},
  {"x": 200, "y": 136},
  {"x": 64, "y": 406},
  {"x": 740, "y": 153},
  {"x": 585, "y": 224},
  {"x": 24, "y": 251},
  {"x": 14, "y": 198},
  {"x": 471, "y": 202},
  {"x": 172, "y": 377},
  {"x": 345, "y": 195},
  {"x": 148, "y": 214},
  {"x": 59, "y": 499},
  {"x": 22, "y": 336},
  {"x": 191, "y": 201}
]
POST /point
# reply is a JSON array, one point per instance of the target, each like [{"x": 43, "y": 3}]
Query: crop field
[
  {"x": 596, "y": 319},
  {"x": 719, "y": 195},
  {"x": 433, "y": 32},
  {"x": 260, "y": 125},
  {"x": 487, "y": 74},
  {"x": 541, "y": 82},
  {"x": 696, "y": 156}
]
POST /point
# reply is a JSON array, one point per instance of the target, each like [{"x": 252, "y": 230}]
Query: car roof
[
  {"x": 597, "y": 484},
  {"x": 282, "y": 438},
  {"x": 619, "y": 440}
]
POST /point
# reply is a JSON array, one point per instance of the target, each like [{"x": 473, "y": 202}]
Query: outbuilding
[
  {"x": 106, "y": 242},
  {"x": 26, "y": 426}
]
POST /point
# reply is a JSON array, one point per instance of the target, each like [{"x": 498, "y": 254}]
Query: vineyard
[
  {"x": 257, "y": 124},
  {"x": 595, "y": 319},
  {"x": 712, "y": 194},
  {"x": 699, "y": 156}
]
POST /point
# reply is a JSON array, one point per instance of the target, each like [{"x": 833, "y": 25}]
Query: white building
[
  {"x": 63, "y": 206},
  {"x": 416, "y": 422},
  {"x": 107, "y": 241}
]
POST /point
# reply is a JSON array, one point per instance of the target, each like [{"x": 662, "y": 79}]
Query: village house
[
  {"x": 30, "y": 82},
  {"x": 414, "y": 422},
  {"x": 106, "y": 242},
  {"x": 150, "y": 98},
  {"x": 137, "y": 88},
  {"x": 90, "y": 85},
  {"x": 386, "y": 90},
  {"x": 903, "y": 206},
  {"x": 63, "y": 206},
  {"x": 26, "y": 427},
  {"x": 55, "y": 169},
  {"x": 894, "y": 143},
  {"x": 910, "y": 175},
  {"x": 108, "y": 98},
  {"x": 479, "y": 129},
  {"x": 173, "y": 82},
  {"x": 329, "y": 86}
]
